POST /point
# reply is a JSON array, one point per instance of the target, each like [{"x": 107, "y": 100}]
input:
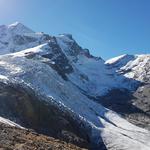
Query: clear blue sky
[{"x": 107, "y": 27}]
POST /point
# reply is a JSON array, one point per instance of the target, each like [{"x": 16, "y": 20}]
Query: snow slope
[
  {"x": 8, "y": 122},
  {"x": 91, "y": 73},
  {"x": 103, "y": 123}
]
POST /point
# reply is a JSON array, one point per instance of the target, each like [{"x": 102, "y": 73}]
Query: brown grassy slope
[{"x": 12, "y": 138}]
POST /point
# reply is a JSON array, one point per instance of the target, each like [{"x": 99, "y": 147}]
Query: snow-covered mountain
[
  {"x": 84, "y": 70},
  {"x": 16, "y": 36},
  {"x": 62, "y": 78},
  {"x": 132, "y": 66},
  {"x": 133, "y": 105}
]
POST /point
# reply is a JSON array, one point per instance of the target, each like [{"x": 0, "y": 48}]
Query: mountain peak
[
  {"x": 122, "y": 58},
  {"x": 66, "y": 35},
  {"x": 15, "y": 24},
  {"x": 19, "y": 28},
  {"x": 67, "y": 38}
]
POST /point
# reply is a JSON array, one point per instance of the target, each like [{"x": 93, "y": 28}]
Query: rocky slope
[
  {"x": 56, "y": 87},
  {"x": 23, "y": 106},
  {"x": 14, "y": 138}
]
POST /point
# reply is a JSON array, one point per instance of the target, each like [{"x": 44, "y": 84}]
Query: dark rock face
[
  {"x": 61, "y": 63},
  {"x": 54, "y": 57},
  {"x": 134, "y": 106},
  {"x": 21, "y": 40},
  {"x": 21, "y": 139},
  {"x": 73, "y": 49},
  {"x": 142, "y": 101},
  {"x": 25, "y": 108}
]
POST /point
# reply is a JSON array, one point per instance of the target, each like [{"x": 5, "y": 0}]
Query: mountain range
[{"x": 55, "y": 87}]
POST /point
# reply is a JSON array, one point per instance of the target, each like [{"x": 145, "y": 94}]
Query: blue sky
[{"x": 107, "y": 27}]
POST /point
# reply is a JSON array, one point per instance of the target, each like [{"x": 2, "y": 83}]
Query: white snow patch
[{"x": 8, "y": 122}]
